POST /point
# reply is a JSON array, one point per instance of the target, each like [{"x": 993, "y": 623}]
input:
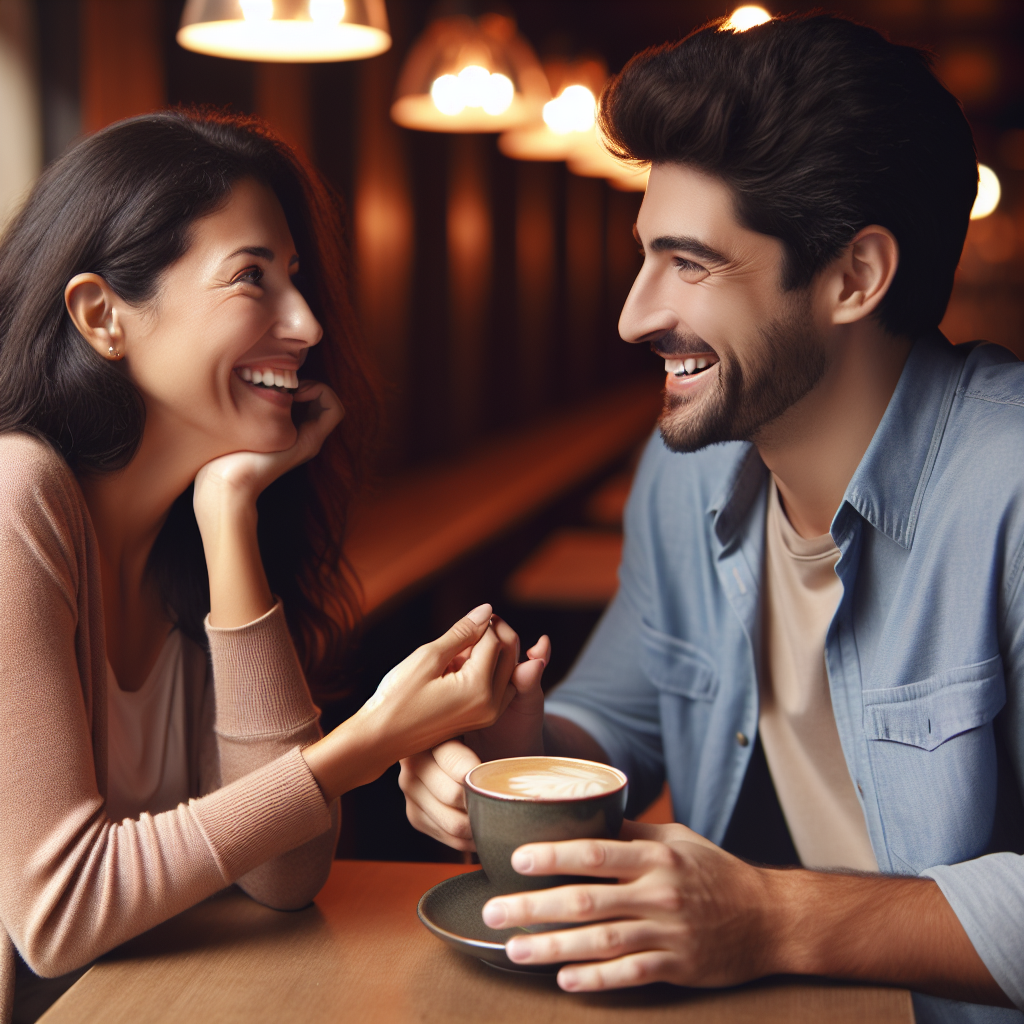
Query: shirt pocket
[
  {"x": 931, "y": 711},
  {"x": 675, "y": 666}
]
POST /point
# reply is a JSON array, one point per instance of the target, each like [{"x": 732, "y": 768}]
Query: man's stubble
[{"x": 786, "y": 363}]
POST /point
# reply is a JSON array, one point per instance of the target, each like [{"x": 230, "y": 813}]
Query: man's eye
[
  {"x": 690, "y": 271},
  {"x": 251, "y": 275}
]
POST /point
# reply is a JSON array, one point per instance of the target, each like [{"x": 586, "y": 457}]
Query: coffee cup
[{"x": 519, "y": 800}]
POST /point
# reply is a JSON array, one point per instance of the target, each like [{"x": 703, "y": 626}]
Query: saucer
[{"x": 451, "y": 910}]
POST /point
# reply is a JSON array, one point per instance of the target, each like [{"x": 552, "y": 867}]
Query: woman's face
[{"x": 225, "y": 316}]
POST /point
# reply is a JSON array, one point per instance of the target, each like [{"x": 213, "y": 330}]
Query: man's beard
[{"x": 786, "y": 363}]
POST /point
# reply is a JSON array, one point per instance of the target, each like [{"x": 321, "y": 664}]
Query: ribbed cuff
[
  {"x": 257, "y": 678},
  {"x": 263, "y": 814}
]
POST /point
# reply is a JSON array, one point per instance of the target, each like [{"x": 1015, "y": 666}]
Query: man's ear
[
  {"x": 94, "y": 308},
  {"x": 862, "y": 274}
]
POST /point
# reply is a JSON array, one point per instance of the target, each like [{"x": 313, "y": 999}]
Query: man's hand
[
  {"x": 435, "y": 801},
  {"x": 684, "y": 911},
  {"x": 689, "y": 913}
]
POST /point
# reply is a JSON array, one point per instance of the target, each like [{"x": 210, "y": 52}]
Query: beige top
[
  {"x": 75, "y": 882},
  {"x": 798, "y": 727},
  {"x": 147, "y": 738}
]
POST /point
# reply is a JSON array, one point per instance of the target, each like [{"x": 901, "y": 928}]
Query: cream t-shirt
[
  {"x": 797, "y": 724},
  {"x": 147, "y": 746}
]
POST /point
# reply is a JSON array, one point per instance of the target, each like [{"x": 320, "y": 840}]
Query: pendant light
[
  {"x": 294, "y": 31},
  {"x": 469, "y": 75}
]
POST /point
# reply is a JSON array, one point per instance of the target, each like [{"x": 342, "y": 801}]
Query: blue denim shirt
[{"x": 925, "y": 653}]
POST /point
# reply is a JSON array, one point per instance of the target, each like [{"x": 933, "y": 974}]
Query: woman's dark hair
[
  {"x": 122, "y": 204},
  {"x": 820, "y": 127}
]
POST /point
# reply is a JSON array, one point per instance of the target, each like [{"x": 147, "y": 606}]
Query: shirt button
[{"x": 741, "y": 739}]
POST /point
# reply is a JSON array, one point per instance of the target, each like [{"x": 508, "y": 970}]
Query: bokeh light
[
  {"x": 746, "y": 17},
  {"x": 572, "y": 111},
  {"x": 327, "y": 12},
  {"x": 473, "y": 86},
  {"x": 989, "y": 192},
  {"x": 257, "y": 10}
]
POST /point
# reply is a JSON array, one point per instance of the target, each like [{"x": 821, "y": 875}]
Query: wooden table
[{"x": 360, "y": 954}]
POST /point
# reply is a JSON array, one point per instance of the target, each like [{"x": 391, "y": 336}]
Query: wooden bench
[{"x": 417, "y": 525}]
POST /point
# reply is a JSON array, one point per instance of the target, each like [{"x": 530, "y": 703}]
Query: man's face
[{"x": 738, "y": 350}]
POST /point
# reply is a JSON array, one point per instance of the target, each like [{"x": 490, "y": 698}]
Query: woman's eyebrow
[{"x": 254, "y": 250}]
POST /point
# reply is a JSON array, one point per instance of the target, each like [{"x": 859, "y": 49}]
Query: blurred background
[{"x": 489, "y": 268}]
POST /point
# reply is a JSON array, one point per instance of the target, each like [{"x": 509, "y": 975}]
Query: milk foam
[{"x": 559, "y": 782}]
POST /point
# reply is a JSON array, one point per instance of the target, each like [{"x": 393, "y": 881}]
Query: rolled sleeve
[{"x": 987, "y": 895}]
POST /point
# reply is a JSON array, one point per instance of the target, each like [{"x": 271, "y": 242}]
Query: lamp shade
[
  {"x": 295, "y": 31},
  {"x": 466, "y": 75},
  {"x": 590, "y": 159}
]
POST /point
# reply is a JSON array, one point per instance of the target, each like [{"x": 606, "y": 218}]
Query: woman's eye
[{"x": 251, "y": 275}]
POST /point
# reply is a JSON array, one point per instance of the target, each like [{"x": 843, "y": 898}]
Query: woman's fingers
[
  {"x": 541, "y": 650},
  {"x": 468, "y": 630},
  {"x": 323, "y": 412}
]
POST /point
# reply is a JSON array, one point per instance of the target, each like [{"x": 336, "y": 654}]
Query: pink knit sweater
[{"x": 73, "y": 883}]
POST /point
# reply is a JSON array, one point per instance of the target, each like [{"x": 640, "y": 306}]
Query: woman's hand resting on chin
[{"x": 224, "y": 500}]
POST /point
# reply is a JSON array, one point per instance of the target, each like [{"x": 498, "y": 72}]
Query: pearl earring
[{"x": 112, "y": 353}]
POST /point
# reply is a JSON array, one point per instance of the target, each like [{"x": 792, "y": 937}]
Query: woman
[{"x": 160, "y": 294}]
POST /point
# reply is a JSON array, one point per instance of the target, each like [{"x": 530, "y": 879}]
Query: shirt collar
[{"x": 889, "y": 484}]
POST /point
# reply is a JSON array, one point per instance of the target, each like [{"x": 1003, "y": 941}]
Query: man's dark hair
[{"x": 820, "y": 127}]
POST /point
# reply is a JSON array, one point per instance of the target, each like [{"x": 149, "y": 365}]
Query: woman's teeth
[
  {"x": 287, "y": 380},
  {"x": 690, "y": 365}
]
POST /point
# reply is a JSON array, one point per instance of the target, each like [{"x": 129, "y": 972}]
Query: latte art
[
  {"x": 545, "y": 778},
  {"x": 564, "y": 782}
]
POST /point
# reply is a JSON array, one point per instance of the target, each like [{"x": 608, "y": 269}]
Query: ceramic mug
[{"x": 521, "y": 800}]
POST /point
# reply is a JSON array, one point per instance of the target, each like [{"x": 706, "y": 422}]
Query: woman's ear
[
  {"x": 93, "y": 307},
  {"x": 863, "y": 273}
]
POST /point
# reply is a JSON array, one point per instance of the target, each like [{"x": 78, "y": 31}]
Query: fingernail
[
  {"x": 495, "y": 914},
  {"x": 517, "y": 949},
  {"x": 568, "y": 979},
  {"x": 522, "y": 861},
  {"x": 480, "y": 614}
]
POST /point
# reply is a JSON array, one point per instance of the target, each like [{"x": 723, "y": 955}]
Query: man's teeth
[
  {"x": 270, "y": 378},
  {"x": 683, "y": 367}
]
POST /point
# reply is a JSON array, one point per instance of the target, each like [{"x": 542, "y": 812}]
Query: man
[{"x": 823, "y": 569}]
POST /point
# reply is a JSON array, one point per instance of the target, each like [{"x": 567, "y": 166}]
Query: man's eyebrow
[{"x": 694, "y": 246}]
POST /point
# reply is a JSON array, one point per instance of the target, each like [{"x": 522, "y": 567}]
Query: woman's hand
[
  {"x": 458, "y": 683},
  {"x": 435, "y": 801},
  {"x": 224, "y": 500}
]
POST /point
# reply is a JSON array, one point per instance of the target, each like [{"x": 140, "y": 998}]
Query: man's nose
[{"x": 644, "y": 318}]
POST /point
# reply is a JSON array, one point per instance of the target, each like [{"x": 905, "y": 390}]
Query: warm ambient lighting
[
  {"x": 295, "y": 31},
  {"x": 572, "y": 111},
  {"x": 988, "y": 193},
  {"x": 590, "y": 159},
  {"x": 745, "y": 17},
  {"x": 466, "y": 75},
  {"x": 473, "y": 86}
]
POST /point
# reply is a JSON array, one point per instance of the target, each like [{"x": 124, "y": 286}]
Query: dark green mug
[{"x": 521, "y": 800}]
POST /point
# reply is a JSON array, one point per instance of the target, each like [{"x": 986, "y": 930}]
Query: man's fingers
[
  {"x": 427, "y": 813},
  {"x": 626, "y": 972},
  {"x": 468, "y": 630},
  {"x": 423, "y": 822},
  {"x": 603, "y": 941},
  {"x": 541, "y": 650},
  {"x": 574, "y": 903},
  {"x": 455, "y": 759},
  {"x": 603, "y": 858}
]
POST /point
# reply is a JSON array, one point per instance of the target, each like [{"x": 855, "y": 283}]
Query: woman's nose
[{"x": 297, "y": 322}]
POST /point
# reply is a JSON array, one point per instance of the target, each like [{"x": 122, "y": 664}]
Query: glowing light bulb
[
  {"x": 257, "y": 10},
  {"x": 473, "y": 82},
  {"x": 499, "y": 94},
  {"x": 746, "y": 17},
  {"x": 989, "y": 193},
  {"x": 327, "y": 12},
  {"x": 446, "y": 92},
  {"x": 572, "y": 111}
]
